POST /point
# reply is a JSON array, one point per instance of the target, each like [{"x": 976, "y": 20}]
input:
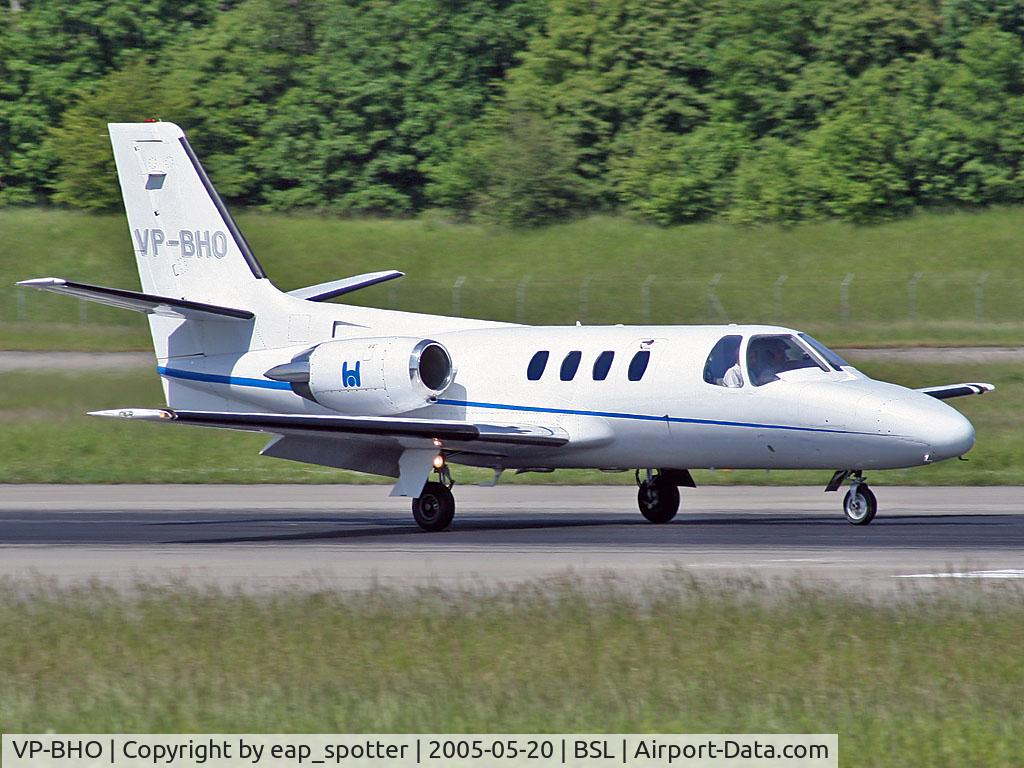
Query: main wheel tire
[
  {"x": 860, "y": 506},
  {"x": 658, "y": 500},
  {"x": 434, "y": 509}
]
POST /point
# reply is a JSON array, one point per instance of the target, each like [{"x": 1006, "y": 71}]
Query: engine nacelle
[{"x": 379, "y": 376}]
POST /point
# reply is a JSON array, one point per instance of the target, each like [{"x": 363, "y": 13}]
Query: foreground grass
[
  {"x": 47, "y": 438},
  {"x": 922, "y": 682},
  {"x": 591, "y": 270}
]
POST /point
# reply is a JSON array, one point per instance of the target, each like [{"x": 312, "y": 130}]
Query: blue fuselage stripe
[
  {"x": 238, "y": 381},
  {"x": 634, "y": 416},
  {"x": 217, "y": 378}
]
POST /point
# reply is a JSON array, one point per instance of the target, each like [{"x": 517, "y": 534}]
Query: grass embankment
[
  {"x": 591, "y": 270},
  {"x": 922, "y": 682},
  {"x": 47, "y": 438}
]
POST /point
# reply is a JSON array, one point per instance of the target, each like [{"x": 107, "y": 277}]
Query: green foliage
[
  {"x": 524, "y": 111},
  {"x": 674, "y": 178},
  {"x": 388, "y": 93},
  {"x": 778, "y": 182},
  {"x": 51, "y": 51},
  {"x": 521, "y": 173}
]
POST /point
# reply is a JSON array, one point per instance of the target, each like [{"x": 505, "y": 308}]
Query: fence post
[
  {"x": 521, "y": 299},
  {"x": 714, "y": 305},
  {"x": 777, "y": 293},
  {"x": 844, "y": 297},
  {"x": 912, "y": 295},
  {"x": 979, "y": 297},
  {"x": 645, "y": 298},
  {"x": 584, "y": 298},
  {"x": 457, "y": 295}
]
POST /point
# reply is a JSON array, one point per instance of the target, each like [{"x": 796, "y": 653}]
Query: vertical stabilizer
[{"x": 186, "y": 243}]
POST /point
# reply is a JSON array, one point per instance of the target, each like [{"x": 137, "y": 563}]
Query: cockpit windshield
[
  {"x": 768, "y": 356},
  {"x": 830, "y": 357}
]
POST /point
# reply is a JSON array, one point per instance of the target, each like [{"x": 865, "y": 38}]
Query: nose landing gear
[{"x": 860, "y": 504}]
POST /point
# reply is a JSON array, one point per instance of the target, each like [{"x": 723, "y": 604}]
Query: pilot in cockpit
[{"x": 769, "y": 359}]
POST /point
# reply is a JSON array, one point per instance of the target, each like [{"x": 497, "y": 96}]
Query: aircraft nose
[{"x": 945, "y": 430}]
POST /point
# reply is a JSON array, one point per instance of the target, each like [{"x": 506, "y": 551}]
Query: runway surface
[{"x": 266, "y": 537}]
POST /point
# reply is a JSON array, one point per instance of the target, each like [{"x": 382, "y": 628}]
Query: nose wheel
[{"x": 860, "y": 504}]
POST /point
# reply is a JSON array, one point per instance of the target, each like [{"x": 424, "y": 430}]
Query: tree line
[{"x": 527, "y": 111}]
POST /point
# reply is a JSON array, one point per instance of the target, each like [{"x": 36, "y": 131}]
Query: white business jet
[{"x": 404, "y": 395}]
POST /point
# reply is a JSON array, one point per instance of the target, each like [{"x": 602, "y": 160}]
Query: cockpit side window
[
  {"x": 830, "y": 357},
  {"x": 768, "y": 356},
  {"x": 723, "y": 365}
]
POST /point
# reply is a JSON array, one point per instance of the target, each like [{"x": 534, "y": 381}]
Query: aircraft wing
[
  {"x": 946, "y": 391},
  {"x": 352, "y": 426}
]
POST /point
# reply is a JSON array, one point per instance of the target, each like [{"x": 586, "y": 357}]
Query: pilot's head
[{"x": 775, "y": 351}]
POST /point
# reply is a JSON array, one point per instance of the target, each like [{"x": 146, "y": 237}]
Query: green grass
[
  {"x": 922, "y": 681},
  {"x": 951, "y": 251},
  {"x": 47, "y": 438}
]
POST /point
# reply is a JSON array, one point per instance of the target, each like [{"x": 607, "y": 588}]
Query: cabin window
[
  {"x": 768, "y": 356},
  {"x": 723, "y": 364},
  {"x": 830, "y": 357},
  {"x": 602, "y": 365},
  {"x": 638, "y": 365},
  {"x": 537, "y": 365},
  {"x": 570, "y": 365}
]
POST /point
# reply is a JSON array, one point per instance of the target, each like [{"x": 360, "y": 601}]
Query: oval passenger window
[
  {"x": 537, "y": 365},
  {"x": 570, "y": 365},
  {"x": 638, "y": 365}
]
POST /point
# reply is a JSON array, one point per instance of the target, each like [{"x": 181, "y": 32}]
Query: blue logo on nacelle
[{"x": 350, "y": 376}]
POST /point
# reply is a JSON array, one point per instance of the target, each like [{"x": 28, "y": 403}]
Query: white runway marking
[{"x": 1002, "y": 573}]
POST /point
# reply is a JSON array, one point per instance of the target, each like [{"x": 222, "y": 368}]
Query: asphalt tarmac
[{"x": 266, "y": 537}]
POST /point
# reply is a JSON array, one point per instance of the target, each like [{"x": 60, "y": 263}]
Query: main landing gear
[
  {"x": 658, "y": 494},
  {"x": 434, "y": 509},
  {"x": 860, "y": 504}
]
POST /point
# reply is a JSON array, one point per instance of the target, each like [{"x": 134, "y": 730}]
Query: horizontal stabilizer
[
  {"x": 138, "y": 302},
  {"x": 947, "y": 391},
  {"x": 343, "y": 426},
  {"x": 325, "y": 291}
]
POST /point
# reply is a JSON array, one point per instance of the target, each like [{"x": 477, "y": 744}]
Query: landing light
[{"x": 438, "y": 461}]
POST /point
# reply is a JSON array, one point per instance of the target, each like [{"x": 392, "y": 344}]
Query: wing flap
[
  {"x": 287, "y": 423},
  {"x": 947, "y": 391},
  {"x": 164, "y": 306}
]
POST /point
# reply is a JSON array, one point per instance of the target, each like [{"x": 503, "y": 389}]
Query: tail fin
[{"x": 186, "y": 243}]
